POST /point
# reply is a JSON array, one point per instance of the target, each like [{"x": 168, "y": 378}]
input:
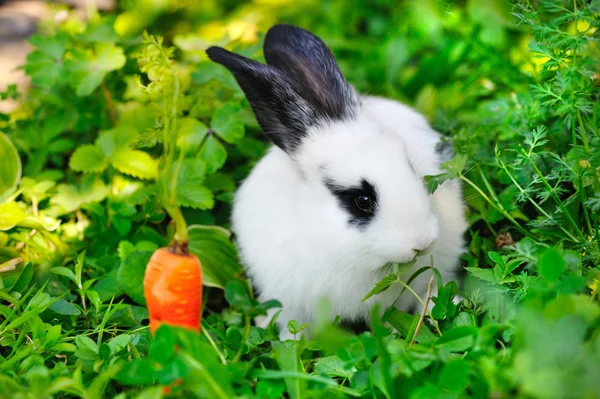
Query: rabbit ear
[
  {"x": 282, "y": 113},
  {"x": 312, "y": 69}
]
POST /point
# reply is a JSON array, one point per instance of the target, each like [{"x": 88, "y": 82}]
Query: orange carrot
[{"x": 173, "y": 289}]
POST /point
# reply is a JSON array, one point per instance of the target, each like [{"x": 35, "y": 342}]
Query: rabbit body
[
  {"x": 295, "y": 240},
  {"x": 340, "y": 195}
]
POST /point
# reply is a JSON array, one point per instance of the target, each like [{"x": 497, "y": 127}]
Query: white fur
[{"x": 295, "y": 239}]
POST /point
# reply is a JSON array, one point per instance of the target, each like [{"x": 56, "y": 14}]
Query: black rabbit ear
[
  {"x": 280, "y": 110},
  {"x": 312, "y": 69}
]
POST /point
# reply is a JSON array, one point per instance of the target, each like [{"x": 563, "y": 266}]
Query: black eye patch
[{"x": 359, "y": 201}]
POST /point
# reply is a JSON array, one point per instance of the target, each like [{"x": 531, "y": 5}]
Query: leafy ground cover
[{"x": 513, "y": 84}]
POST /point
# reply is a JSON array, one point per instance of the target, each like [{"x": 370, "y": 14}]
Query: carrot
[
  {"x": 173, "y": 289},
  {"x": 173, "y": 279}
]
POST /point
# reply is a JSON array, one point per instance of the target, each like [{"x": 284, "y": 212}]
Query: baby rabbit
[{"x": 340, "y": 196}]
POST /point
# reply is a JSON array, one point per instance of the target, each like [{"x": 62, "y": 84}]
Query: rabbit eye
[
  {"x": 359, "y": 201},
  {"x": 364, "y": 203}
]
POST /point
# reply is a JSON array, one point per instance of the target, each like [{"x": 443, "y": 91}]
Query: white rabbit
[{"x": 340, "y": 195}]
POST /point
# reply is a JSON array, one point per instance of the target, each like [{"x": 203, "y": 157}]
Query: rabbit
[{"x": 340, "y": 195}]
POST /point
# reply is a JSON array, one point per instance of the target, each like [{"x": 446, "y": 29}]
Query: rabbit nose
[{"x": 423, "y": 247}]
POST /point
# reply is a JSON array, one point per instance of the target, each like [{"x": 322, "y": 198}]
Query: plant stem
[
  {"x": 558, "y": 201},
  {"x": 247, "y": 326},
  {"x": 422, "y": 317},
  {"x": 214, "y": 345},
  {"x": 109, "y": 103},
  {"x": 214, "y": 385},
  {"x": 169, "y": 186},
  {"x": 489, "y": 187},
  {"x": 583, "y": 132},
  {"x": 402, "y": 283},
  {"x": 498, "y": 208},
  {"x": 586, "y": 215},
  {"x": 502, "y": 166}
]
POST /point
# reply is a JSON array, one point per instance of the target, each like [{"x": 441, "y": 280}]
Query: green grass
[{"x": 514, "y": 85}]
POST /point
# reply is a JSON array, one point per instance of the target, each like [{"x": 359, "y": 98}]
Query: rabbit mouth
[
  {"x": 425, "y": 251},
  {"x": 398, "y": 267}
]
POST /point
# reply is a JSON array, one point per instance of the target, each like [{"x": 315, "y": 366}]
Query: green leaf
[
  {"x": 219, "y": 258},
  {"x": 149, "y": 393},
  {"x": 455, "y": 375},
  {"x": 122, "y": 224},
  {"x": 131, "y": 275},
  {"x": 84, "y": 76},
  {"x": 288, "y": 360},
  {"x": 119, "y": 343},
  {"x": 79, "y": 263},
  {"x": 100, "y": 30},
  {"x": 456, "y": 165},
  {"x": 53, "y": 334},
  {"x": 482, "y": 274},
  {"x": 219, "y": 182},
  {"x": 496, "y": 258},
  {"x": 70, "y": 197},
  {"x": 444, "y": 307},
  {"x": 86, "y": 348},
  {"x": 11, "y": 214},
  {"x": 44, "y": 65},
  {"x": 333, "y": 366},
  {"x": 88, "y": 158},
  {"x": 87, "y": 69},
  {"x": 53, "y": 46},
  {"x": 270, "y": 389},
  {"x": 109, "y": 57},
  {"x": 108, "y": 285},
  {"x": 381, "y": 286},
  {"x": 403, "y": 322},
  {"x": 213, "y": 154},
  {"x": 135, "y": 163},
  {"x": 23, "y": 280},
  {"x": 433, "y": 182},
  {"x": 115, "y": 139},
  {"x": 10, "y": 165},
  {"x": 190, "y": 192},
  {"x": 137, "y": 372},
  {"x": 191, "y": 134},
  {"x": 227, "y": 124},
  {"x": 162, "y": 348},
  {"x": 551, "y": 264},
  {"x": 65, "y": 272},
  {"x": 207, "y": 377},
  {"x": 458, "y": 339},
  {"x": 207, "y": 71},
  {"x": 294, "y": 327},
  {"x": 175, "y": 369},
  {"x": 236, "y": 294},
  {"x": 65, "y": 308},
  {"x": 199, "y": 198},
  {"x": 43, "y": 69},
  {"x": 464, "y": 319},
  {"x": 124, "y": 249}
]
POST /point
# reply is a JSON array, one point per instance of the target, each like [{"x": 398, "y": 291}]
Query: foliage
[{"x": 513, "y": 85}]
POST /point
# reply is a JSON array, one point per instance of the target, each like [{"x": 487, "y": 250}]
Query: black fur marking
[
  {"x": 357, "y": 326},
  {"x": 346, "y": 197},
  {"x": 301, "y": 86},
  {"x": 412, "y": 309},
  {"x": 281, "y": 112},
  {"x": 445, "y": 149},
  {"x": 312, "y": 70}
]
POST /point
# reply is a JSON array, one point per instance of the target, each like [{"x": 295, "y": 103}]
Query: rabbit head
[{"x": 345, "y": 157}]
